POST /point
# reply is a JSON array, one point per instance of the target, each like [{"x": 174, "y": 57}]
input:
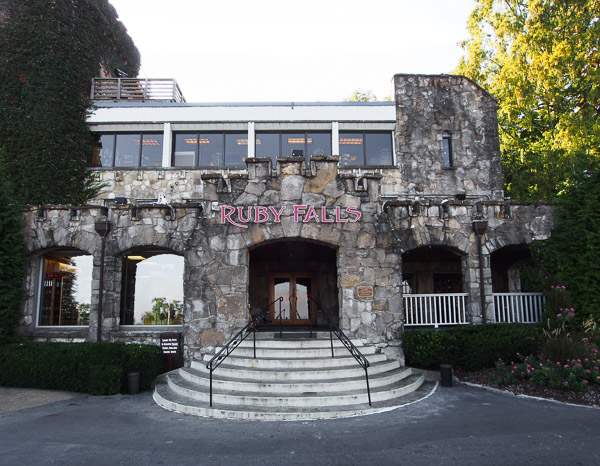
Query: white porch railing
[
  {"x": 435, "y": 309},
  {"x": 525, "y": 308}
]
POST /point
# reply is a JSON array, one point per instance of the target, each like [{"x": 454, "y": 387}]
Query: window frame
[
  {"x": 224, "y": 145},
  {"x": 113, "y": 149},
  {"x": 364, "y": 134},
  {"x": 41, "y": 272},
  {"x": 125, "y": 282},
  {"x": 300, "y": 133}
]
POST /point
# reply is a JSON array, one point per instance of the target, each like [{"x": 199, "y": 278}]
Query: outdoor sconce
[
  {"x": 169, "y": 213},
  {"x": 74, "y": 216},
  {"x": 41, "y": 214},
  {"x": 460, "y": 197},
  {"x": 104, "y": 214},
  {"x": 416, "y": 208}
]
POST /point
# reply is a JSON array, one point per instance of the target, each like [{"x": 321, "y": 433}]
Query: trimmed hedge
[
  {"x": 94, "y": 368},
  {"x": 471, "y": 347}
]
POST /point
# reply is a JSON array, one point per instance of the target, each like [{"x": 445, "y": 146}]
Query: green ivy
[
  {"x": 571, "y": 256},
  {"x": 50, "y": 51}
]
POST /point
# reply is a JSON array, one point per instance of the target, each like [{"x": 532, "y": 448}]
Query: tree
[
  {"x": 361, "y": 95},
  {"x": 540, "y": 59},
  {"x": 164, "y": 312},
  {"x": 571, "y": 256}
]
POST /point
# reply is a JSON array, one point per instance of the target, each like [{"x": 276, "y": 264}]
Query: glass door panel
[
  {"x": 282, "y": 287},
  {"x": 295, "y": 290}
]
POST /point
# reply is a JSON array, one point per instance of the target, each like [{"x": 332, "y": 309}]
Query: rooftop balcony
[{"x": 134, "y": 89}]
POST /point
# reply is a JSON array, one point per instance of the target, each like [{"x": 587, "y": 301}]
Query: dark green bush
[
  {"x": 471, "y": 347},
  {"x": 104, "y": 379},
  {"x": 80, "y": 367}
]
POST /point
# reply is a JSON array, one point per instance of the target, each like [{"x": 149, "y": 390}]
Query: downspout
[
  {"x": 480, "y": 227},
  {"x": 102, "y": 228}
]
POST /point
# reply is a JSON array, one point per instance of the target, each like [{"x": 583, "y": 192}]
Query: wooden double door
[{"x": 295, "y": 290}]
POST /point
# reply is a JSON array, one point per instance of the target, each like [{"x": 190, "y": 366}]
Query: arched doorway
[{"x": 301, "y": 275}]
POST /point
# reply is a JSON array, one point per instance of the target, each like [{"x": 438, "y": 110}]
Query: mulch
[{"x": 587, "y": 398}]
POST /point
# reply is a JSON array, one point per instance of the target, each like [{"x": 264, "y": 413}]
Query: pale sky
[{"x": 281, "y": 51}]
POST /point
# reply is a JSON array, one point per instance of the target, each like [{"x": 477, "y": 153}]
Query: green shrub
[
  {"x": 472, "y": 347},
  {"x": 104, "y": 379},
  {"x": 82, "y": 367}
]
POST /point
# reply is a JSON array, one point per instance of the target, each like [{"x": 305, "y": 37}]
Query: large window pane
[
  {"x": 103, "y": 151},
  {"x": 352, "y": 149},
  {"x": 66, "y": 289},
  {"x": 293, "y": 142},
  {"x": 267, "y": 145},
  {"x": 378, "y": 148},
  {"x": 210, "y": 147},
  {"x": 318, "y": 144},
  {"x": 236, "y": 148},
  {"x": 127, "y": 151},
  {"x": 152, "y": 150},
  {"x": 152, "y": 291},
  {"x": 186, "y": 148}
]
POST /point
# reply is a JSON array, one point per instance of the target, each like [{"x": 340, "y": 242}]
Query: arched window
[
  {"x": 152, "y": 289},
  {"x": 65, "y": 289}
]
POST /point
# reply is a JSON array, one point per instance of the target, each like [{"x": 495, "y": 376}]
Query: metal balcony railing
[{"x": 133, "y": 89}]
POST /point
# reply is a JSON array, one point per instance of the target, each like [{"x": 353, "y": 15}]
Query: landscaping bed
[{"x": 485, "y": 377}]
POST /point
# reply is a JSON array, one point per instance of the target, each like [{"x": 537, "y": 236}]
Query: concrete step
[
  {"x": 295, "y": 353},
  {"x": 295, "y": 344},
  {"x": 297, "y": 374},
  {"x": 296, "y": 363},
  {"x": 290, "y": 379},
  {"x": 174, "y": 402},
  {"x": 306, "y": 400},
  {"x": 287, "y": 384}
]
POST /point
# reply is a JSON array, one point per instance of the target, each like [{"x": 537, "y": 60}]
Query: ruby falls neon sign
[{"x": 241, "y": 216}]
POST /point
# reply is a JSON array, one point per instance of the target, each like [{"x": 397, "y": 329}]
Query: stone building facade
[{"x": 330, "y": 232}]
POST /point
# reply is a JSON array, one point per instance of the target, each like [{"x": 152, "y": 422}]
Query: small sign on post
[{"x": 170, "y": 345}]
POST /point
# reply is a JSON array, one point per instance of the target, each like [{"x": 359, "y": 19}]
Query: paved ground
[{"x": 459, "y": 425}]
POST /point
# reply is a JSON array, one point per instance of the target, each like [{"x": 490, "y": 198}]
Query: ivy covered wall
[{"x": 49, "y": 52}]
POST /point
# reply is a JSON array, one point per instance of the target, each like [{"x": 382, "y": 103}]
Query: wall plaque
[{"x": 365, "y": 291}]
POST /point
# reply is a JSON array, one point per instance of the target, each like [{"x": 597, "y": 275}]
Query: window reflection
[
  {"x": 152, "y": 289},
  {"x": 366, "y": 148},
  {"x": 66, "y": 289}
]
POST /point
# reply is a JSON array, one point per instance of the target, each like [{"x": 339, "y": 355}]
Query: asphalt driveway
[{"x": 459, "y": 425}]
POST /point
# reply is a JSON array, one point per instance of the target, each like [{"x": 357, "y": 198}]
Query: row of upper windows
[{"x": 212, "y": 149}]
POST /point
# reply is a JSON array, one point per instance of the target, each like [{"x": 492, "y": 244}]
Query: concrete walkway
[{"x": 461, "y": 425}]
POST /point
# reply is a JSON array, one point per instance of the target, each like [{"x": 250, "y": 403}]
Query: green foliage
[
  {"x": 577, "y": 374},
  {"x": 470, "y": 347},
  {"x": 361, "y": 95},
  {"x": 571, "y": 256},
  {"x": 539, "y": 58},
  {"x": 95, "y": 368},
  {"x": 104, "y": 379},
  {"x": 12, "y": 272},
  {"x": 50, "y": 52},
  {"x": 164, "y": 312}
]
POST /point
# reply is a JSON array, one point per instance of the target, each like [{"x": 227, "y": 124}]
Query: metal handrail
[
  {"x": 235, "y": 341},
  {"x": 354, "y": 351}
]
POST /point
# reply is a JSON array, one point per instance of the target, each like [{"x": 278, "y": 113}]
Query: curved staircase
[{"x": 290, "y": 379}]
